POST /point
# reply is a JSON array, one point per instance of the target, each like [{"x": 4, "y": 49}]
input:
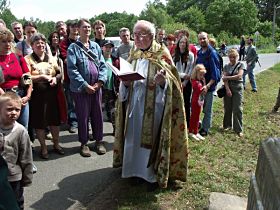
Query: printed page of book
[
  {"x": 126, "y": 73},
  {"x": 125, "y": 67}
]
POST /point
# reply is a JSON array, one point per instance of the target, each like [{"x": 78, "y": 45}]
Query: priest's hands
[{"x": 160, "y": 77}]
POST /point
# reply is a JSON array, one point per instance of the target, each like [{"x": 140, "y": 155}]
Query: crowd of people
[{"x": 66, "y": 79}]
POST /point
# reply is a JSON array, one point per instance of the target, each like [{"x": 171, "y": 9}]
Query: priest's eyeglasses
[{"x": 139, "y": 35}]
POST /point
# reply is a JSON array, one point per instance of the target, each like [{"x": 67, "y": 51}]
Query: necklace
[{"x": 7, "y": 62}]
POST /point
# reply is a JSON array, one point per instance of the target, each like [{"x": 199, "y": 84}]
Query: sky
[{"x": 54, "y": 10}]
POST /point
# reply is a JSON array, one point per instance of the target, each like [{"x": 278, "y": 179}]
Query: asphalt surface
[{"x": 65, "y": 181}]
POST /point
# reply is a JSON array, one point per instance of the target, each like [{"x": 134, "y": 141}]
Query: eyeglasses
[{"x": 139, "y": 35}]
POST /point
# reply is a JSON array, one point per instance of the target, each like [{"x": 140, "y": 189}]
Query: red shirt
[
  {"x": 193, "y": 50},
  {"x": 13, "y": 68},
  {"x": 197, "y": 89},
  {"x": 172, "y": 49},
  {"x": 63, "y": 46}
]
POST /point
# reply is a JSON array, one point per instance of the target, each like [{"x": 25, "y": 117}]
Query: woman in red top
[
  {"x": 13, "y": 67},
  {"x": 198, "y": 82}
]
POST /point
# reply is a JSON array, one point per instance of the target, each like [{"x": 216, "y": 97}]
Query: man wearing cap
[
  {"x": 251, "y": 59},
  {"x": 110, "y": 88}
]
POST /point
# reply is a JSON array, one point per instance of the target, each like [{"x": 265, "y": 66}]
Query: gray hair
[
  {"x": 37, "y": 37},
  {"x": 15, "y": 23},
  {"x": 148, "y": 25},
  {"x": 123, "y": 30}
]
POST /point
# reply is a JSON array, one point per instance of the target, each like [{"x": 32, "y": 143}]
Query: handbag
[
  {"x": 25, "y": 80},
  {"x": 221, "y": 92}
]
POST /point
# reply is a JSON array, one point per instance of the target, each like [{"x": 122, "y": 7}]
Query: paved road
[
  {"x": 65, "y": 180},
  {"x": 266, "y": 61}
]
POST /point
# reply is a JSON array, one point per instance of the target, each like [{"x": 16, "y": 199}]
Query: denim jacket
[{"x": 77, "y": 66}]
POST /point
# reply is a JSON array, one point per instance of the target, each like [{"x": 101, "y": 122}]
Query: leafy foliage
[
  {"x": 225, "y": 19},
  {"x": 115, "y": 21},
  {"x": 4, "y": 4},
  {"x": 227, "y": 15},
  {"x": 265, "y": 28},
  {"x": 8, "y": 17},
  {"x": 156, "y": 14},
  {"x": 265, "y": 8},
  {"x": 193, "y": 17}
]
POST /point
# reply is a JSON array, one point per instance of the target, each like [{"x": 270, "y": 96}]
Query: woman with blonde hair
[
  {"x": 14, "y": 68},
  {"x": 198, "y": 81},
  {"x": 232, "y": 78}
]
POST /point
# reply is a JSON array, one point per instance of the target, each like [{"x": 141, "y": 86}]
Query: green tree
[
  {"x": 156, "y": 14},
  {"x": 193, "y": 17},
  {"x": 234, "y": 16},
  {"x": 115, "y": 21},
  {"x": 266, "y": 8},
  {"x": 265, "y": 28},
  {"x": 174, "y": 6},
  {"x": 8, "y": 17},
  {"x": 4, "y": 4}
]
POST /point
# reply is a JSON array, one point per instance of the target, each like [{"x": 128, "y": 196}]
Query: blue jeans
[
  {"x": 250, "y": 72},
  {"x": 24, "y": 114},
  {"x": 72, "y": 118},
  {"x": 207, "y": 110}
]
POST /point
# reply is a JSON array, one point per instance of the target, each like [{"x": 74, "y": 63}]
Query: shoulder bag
[{"x": 221, "y": 92}]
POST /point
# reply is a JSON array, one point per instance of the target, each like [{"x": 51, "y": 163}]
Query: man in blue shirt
[{"x": 209, "y": 58}]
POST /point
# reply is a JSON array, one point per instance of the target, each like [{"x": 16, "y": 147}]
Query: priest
[{"x": 151, "y": 133}]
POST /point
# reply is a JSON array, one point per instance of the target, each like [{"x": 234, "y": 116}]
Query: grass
[
  {"x": 222, "y": 163},
  {"x": 267, "y": 49}
]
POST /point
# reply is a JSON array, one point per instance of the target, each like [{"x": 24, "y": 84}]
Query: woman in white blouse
[{"x": 184, "y": 61}]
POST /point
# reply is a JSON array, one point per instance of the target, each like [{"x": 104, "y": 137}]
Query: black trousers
[
  {"x": 18, "y": 190},
  {"x": 187, "y": 92}
]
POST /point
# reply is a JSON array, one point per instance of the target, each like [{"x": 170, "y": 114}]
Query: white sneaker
[
  {"x": 34, "y": 168},
  {"x": 194, "y": 136},
  {"x": 200, "y": 137}
]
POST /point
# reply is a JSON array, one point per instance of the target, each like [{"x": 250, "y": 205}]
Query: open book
[{"x": 126, "y": 72}]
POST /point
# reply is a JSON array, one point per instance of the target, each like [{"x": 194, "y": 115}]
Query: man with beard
[{"x": 209, "y": 58}]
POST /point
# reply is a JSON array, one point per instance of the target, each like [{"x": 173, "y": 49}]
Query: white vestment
[{"x": 135, "y": 158}]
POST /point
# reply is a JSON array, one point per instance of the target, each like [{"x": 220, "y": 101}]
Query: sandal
[
  {"x": 44, "y": 155},
  {"x": 58, "y": 150}
]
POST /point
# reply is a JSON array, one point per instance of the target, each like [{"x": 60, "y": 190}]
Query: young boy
[
  {"x": 15, "y": 145},
  {"x": 110, "y": 89}
]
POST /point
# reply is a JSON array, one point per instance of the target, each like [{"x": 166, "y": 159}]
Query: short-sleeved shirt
[
  {"x": 27, "y": 48},
  {"x": 228, "y": 68},
  {"x": 124, "y": 49}
]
